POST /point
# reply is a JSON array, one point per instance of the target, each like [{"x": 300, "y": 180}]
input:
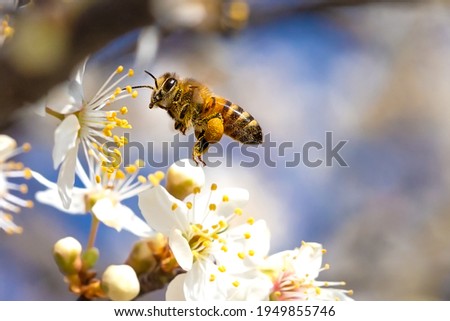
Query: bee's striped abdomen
[{"x": 238, "y": 124}]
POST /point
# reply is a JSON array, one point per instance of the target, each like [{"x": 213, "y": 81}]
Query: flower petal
[
  {"x": 334, "y": 295},
  {"x": 51, "y": 197},
  {"x": 181, "y": 249},
  {"x": 65, "y": 139},
  {"x": 162, "y": 211},
  {"x": 76, "y": 85},
  {"x": 7, "y": 146},
  {"x": 61, "y": 100},
  {"x": 119, "y": 217},
  {"x": 107, "y": 213},
  {"x": 133, "y": 223},
  {"x": 175, "y": 289},
  {"x": 197, "y": 284},
  {"x": 308, "y": 260},
  {"x": 258, "y": 243},
  {"x": 66, "y": 177}
]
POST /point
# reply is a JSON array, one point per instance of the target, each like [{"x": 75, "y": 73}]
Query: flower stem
[{"x": 93, "y": 233}]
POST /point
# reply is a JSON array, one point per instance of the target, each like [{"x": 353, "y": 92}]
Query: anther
[
  {"x": 26, "y": 147},
  {"x": 27, "y": 173}
]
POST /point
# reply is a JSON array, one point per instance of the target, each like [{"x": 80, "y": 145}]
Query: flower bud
[
  {"x": 183, "y": 177},
  {"x": 120, "y": 283},
  {"x": 141, "y": 258},
  {"x": 90, "y": 257},
  {"x": 66, "y": 253}
]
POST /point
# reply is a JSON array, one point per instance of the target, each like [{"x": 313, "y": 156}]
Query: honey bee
[{"x": 192, "y": 104}]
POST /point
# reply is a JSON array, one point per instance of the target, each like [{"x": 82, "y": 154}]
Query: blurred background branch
[{"x": 51, "y": 37}]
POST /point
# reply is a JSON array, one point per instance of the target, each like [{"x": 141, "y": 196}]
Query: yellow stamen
[
  {"x": 27, "y": 173},
  {"x": 130, "y": 73},
  {"x": 212, "y": 278},
  {"x": 174, "y": 206},
  {"x": 134, "y": 94},
  {"x": 324, "y": 251},
  {"x": 120, "y": 174},
  {"x": 213, "y": 187},
  {"x": 196, "y": 190},
  {"x": 247, "y": 235},
  {"x": 26, "y": 147},
  {"x": 225, "y": 198},
  {"x": 23, "y": 188},
  {"x": 224, "y": 248},
  {"x": 241, "y": 255},
  {"x": 318, "y": 290},
  {"x": 235, "y": 283},
  {"x": 212, "y": 207},
  {"x": 189, "y": 205},
  {"x": 250, "y": 221},
  {"x": 119, "y": 69},
  {"x": 158, "y": 174},
  {"x": 222, "y": 268},
  {"x": 29, "y": 204},
  {"x": 131, "y": 169},
  {"x": 117, "y": 91},
  {"x": 251, "y": 252},
  {"x": 142, "y": 179},
  {"x": 97, "y": 179},
  {"x": 124, "y": 110},
  {"x": 238, "y": 211}
]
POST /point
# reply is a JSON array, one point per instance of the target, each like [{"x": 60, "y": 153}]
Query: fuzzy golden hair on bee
[{"x": 192, "y": 105}]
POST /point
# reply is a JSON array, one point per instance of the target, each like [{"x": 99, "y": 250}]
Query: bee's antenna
[
  {"x": 142, "y": 86},
  {"x": 148, "y": 86},
  {"x": 154, "y": 78}
]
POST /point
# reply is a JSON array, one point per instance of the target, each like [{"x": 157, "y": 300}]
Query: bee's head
[{"x": 164, "y": 88}]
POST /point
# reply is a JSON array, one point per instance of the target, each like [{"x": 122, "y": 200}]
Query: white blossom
[
  {"x": 220, "y": 259},
  {"x": 9, "y": 202},
  {"x": 84, "y": 123},
  {"x": 294, "y": 273},
  {"x": 102, "y": 195}
]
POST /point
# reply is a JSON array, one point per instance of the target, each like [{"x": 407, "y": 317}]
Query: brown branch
[{"x": 87, "y": 26}]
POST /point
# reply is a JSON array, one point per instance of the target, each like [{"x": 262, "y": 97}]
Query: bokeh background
[{"x": 376, "y": 75}]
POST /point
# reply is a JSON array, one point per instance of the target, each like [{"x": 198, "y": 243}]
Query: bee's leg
[
  {"x": 200, "y": 147},
  {"x": 214, "y": 130},
  {"x": 179, "y": 126}
]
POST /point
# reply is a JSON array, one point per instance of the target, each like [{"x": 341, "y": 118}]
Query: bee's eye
[{"x": 169, "y": 84}]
